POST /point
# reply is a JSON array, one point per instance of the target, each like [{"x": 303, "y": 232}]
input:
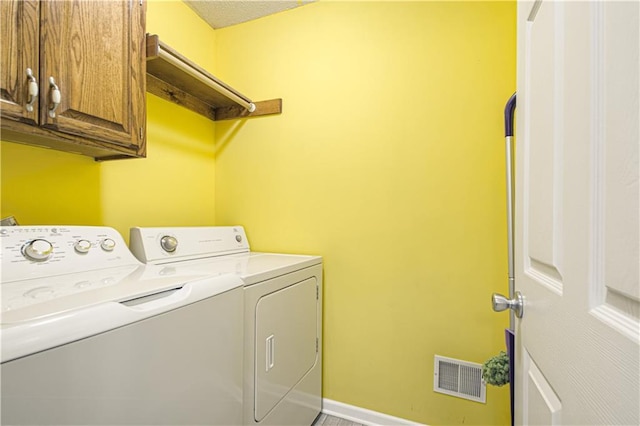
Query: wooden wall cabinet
[{"x": 93, "y": 52}]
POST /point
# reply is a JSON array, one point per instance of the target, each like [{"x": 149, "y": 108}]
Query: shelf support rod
[{"x": 248, "y": 105}]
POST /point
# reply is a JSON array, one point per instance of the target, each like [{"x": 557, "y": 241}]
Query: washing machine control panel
[
  {"x": 161, "y": 245},
  {"x": 40, "y": 251},
  {"x": 37, "y": 249}
]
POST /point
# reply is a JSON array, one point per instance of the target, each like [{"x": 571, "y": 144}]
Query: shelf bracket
[{"x": 176, "y": 79}]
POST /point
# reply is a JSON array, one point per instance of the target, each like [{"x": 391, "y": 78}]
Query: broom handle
[{"x": 509, "y": 112}]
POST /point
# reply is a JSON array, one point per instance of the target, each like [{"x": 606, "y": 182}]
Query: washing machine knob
[
  {"x": 38, "y": 250},
  {"x": 169, "y": 243},
  {"x": 107, "y": 244},
  {"x": 82, "y": 246}
]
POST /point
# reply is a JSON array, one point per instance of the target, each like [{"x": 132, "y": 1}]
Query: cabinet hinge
[
  {"x": 141, "y": 130},
  {"x": 317, "y": 292},
  {"x": 317, "y": 345}
]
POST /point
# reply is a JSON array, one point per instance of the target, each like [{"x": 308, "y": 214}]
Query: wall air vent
[{"x": 459, "y": 378}]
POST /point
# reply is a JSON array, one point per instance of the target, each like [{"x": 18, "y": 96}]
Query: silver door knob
[{"x": 501, "y": 303}]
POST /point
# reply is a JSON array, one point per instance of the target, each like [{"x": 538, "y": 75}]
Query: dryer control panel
[
  {"x": 164, "y": 245},
  {"x": 44, "y": 251}
]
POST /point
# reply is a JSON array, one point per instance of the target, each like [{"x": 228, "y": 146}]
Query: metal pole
[
  {"x": 247, "y": 104},
  {"x": 509, "y": 112}
]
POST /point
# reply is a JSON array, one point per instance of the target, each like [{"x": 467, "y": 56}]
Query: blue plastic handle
[{"x": 509, "y": 111}]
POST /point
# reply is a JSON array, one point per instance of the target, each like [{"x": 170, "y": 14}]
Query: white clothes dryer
[
  {"x": 282, "y": 315},
  {"x": 92, "y": 336}
]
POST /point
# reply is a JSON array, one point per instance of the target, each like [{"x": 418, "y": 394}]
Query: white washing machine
[
  {"x": 282, "y": 315},
  {"x": 92, "y": 336}
]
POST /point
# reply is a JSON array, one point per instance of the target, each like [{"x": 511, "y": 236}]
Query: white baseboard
[{"x": 362, "y": 415}]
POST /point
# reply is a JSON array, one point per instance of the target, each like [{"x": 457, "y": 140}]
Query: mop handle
[{"x": 509, "y": 111}]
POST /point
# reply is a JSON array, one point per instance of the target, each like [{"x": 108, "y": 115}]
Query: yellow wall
[
  {"x": 174, "y": 185},
  {"x": 388, "y": 161}
]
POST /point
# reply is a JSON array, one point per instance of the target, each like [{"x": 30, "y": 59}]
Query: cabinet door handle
[
  {"x": 55, "y": 97},
  {"x": 32, "y": 90}
]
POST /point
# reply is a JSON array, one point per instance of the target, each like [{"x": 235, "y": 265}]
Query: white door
[{"x": 577, "y": 213}]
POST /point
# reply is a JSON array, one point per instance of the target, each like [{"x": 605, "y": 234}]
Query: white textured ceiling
[{"x": 223, "y": 13}]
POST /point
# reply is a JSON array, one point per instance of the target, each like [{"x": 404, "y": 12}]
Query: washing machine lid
[{"x": 42, "y": 313}]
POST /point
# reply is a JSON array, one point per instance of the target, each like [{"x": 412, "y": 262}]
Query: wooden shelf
[{"x": 174, "y": 78}]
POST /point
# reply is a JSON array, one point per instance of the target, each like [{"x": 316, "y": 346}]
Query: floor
[{"x": 326, "y": 420}]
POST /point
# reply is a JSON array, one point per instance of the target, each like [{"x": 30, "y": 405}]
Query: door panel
[
  {"x": 19, "y": 30},
  {"x": 286, "y": 324},
  {"x": 614, "y": 292},
  {"x": 616, "y": 184},
  {"x": 577, "y": 213},
  {"x": 92, "y": 49},
  {"x": 544, "y": 209},
  {"x": 544, "y": 407}
]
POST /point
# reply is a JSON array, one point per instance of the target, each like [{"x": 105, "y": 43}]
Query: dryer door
[{"x": 286, "y": 342}]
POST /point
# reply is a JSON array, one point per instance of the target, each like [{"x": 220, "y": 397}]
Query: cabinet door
[
  {"x": 94, "y": 52},
  {"x": 19, "y": 28}
]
